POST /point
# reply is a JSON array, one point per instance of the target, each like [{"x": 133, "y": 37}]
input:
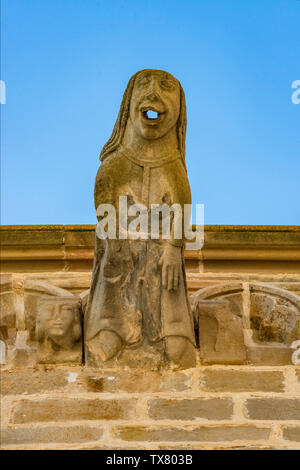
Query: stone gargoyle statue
[
  {"x": 138, "y": 297},
  {"x": 59, "y": 331}
]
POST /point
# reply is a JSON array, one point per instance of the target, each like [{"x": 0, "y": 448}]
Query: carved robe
[{"x": 126, "y": 294}]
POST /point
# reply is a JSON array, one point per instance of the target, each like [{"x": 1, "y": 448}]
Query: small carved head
[{"x": 59, "y": 319}]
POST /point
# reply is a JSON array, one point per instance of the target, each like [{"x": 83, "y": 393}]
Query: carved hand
[{"x": 170, "y": 263}]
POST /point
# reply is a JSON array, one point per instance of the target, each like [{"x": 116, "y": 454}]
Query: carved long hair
[{"x": 117, "y": 135}]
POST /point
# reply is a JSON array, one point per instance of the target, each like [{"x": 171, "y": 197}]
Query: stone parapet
[{"x": 227, "y": 248}]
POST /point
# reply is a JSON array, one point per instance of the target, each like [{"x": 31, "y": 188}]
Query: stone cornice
[{"x": 234, "y": 248}]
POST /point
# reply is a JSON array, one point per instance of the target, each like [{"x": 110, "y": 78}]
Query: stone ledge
[{"x": 27, "y": 248}]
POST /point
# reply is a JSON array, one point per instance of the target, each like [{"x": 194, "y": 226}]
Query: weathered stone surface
[
  {"x": 200, "y": 433},
  {"x": 50, "y": 434},
  {"x": 32, "y": 235},
  {"x": 30, "y": 381},
  {"x": 190, "y": 409},
  {"x": 273, "y": 408},
  {"x": 22, "y": 354},
  {"x": 218, "y": 312},
  {"x": 7, "y": 305},
  {"x": 84, "y": 298},
  {"x": 3, "y": 354},
  {"x": 138, "y": 296},
  {"x": 242, "y": 381},
  {"x": 264, "y": 355},
  {"x": 59, "y": 330},
  {"x": 66, "y": 409},
  {"x": 298, "y": 374},
  {"x": 216, "y": 291},
  {"x": 275, "y": 314},
  {"x": 33, "y": 291},
  {"x": 292, "y": 433},
  {"x": 75, "y": 236},
  {"x": 135, "y": 382},
  {"x": 3, "y": 332},
  {"x": 73, "y": 282},
  {"x": 220, "y": 333}
]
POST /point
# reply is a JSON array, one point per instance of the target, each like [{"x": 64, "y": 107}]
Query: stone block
[
  {"x": 292, "y": 433},
  {"x": 33, "y": 235},
  {"x": 268, "y": 355},
  {"x": 220, "y": 333},
  {"x": 67, "y": 409},
  {"x": 135, "y": 382},
  {"x": 242, "y": 381},
  {"x": 50, "y": 434},
  {"x": 79, "y": 238},
  {"x": 198, "y": 434},
  {"x": 191, "y": 409},
  {"x": 30, "y": 381},
  {"x": 7, "y": 304},
  {"x": 273, "y": 408}
]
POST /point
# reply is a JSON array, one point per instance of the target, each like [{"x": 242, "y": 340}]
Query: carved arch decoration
[{"x": 225, "y": 313}]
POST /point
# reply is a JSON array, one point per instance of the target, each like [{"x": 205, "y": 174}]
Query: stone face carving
[
  {"x": 138, "y": 296},
  {"x": 34, "y": 290},
  {"x": 58, "y": 330},
  {"x": 218, "y": 313}
]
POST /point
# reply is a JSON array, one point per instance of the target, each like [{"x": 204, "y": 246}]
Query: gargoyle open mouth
[{"x": 151, "y": 114}]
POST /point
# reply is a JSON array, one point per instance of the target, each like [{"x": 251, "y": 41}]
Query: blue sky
[{"x": 66, "y": 64}]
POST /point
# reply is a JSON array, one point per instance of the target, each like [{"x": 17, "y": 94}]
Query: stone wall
[
  {"x": 253, "y": 404},
  {"x": 215, "y": 407}
]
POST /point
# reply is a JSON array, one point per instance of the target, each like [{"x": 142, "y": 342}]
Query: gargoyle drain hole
[{"x": 151, "y": 114}]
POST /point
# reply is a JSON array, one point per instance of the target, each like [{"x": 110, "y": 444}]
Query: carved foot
[
  {"x": 110, "y": 344},
  {"x": 180, "y": 351},
  {"x": 103, "y": 347}
]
